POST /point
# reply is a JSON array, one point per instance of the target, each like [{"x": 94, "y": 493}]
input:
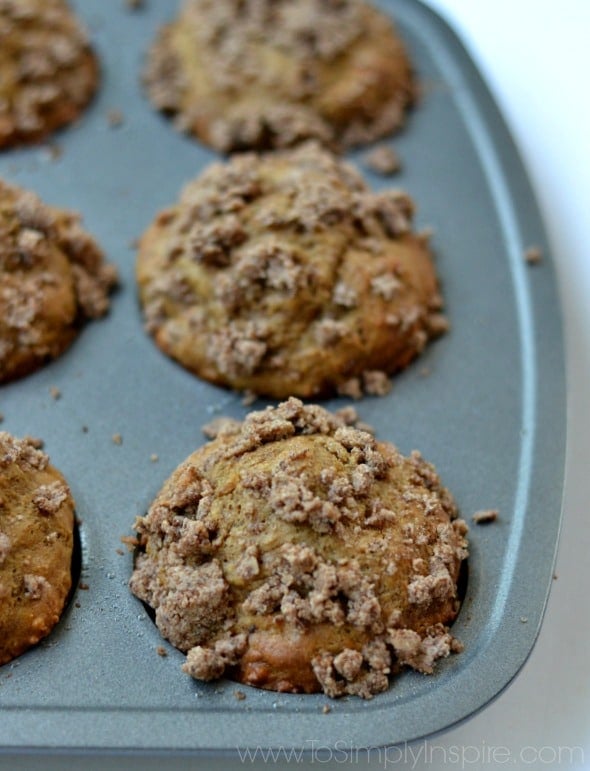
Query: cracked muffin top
[
  {"x": 296, "y": 553},
  {"x": 48, "y": 70},
  {"x": 284, "y": 275},
  {"x": 257, "y": 74}
]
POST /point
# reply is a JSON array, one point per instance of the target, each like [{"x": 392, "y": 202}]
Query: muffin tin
[{"x": 485, "y": 404}]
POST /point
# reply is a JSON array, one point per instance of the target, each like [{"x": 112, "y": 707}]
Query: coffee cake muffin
[
  {"x": 36, "y": 542},
  {"x": 257, "y": 74},
  {"x": 284, "y": 275},
  {"x": 296, "y": 553},
  {"x": 53, "y": 278},
  {"x": 48, "y": 70}
]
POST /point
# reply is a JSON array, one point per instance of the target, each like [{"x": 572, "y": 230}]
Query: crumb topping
[
  {"x": 284, "y": 287},
  {"x": 418, "y": 652},
  {"x": 353, "y": 672},
  {"x": 35, "y": 586},
  {"x": 53, "y": 278},
  {"x": 36, "y": 541},
  {"x": 49, "y": 498},
  {"x": 305, "y": 81},
  {"x": 295, "y": 519},
  {"x": 308, "y": 29},
  {"x": 48, "y": 70},
  {"x": 209, "y": 663},
  {"x": 22, "y": 452}
]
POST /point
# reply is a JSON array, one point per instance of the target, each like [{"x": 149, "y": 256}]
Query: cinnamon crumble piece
[
  {"x": 485, "y": 517},
  {"x": 383, "y": 160}
]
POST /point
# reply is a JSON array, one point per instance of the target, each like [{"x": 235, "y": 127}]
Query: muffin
[
  {"x": 36, "y": 542},
  {"x": 296, "y": 553},
  {"x": 261, "y": 74},
  {"x": 48, "y": 70},
  {"x": 53, "y": 278},
  {"x": 284, "y": 275}
]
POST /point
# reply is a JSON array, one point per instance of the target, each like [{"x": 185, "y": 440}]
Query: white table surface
[{"x": 535, "y": 56}]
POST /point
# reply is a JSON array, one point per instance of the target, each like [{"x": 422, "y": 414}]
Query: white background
[{"x": 535, "y": 56}]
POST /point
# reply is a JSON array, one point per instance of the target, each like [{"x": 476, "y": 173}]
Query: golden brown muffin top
[
  {"x": 36, "y": 537},
  {"x": 246, "y": 74},
  {"x": 298, "y": 553},
  {"x": 53, "y": 277},
  {"x": 48, "y": 72},
  {"x": 283, "y": 274}
]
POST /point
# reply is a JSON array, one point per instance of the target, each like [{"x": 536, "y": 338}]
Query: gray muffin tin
[{"x": 485, "y": 404}]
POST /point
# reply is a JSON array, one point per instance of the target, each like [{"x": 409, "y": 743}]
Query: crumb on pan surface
[
  {"x": 297, "y": 553},
  {"x": 36, "y": 542},
  {"x": 382, "y": 160},
  {"x": 48, "y": 70},
  {"x": 283, "y": 274},
  {"x": 485, "y": 516},
  {"x": 53, "y": 278},
  {"x": 272, "y": 73},
  {"x": 533, "y": 255}
]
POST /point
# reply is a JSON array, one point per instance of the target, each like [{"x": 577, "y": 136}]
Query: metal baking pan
[{"x": 490, "y": 414}]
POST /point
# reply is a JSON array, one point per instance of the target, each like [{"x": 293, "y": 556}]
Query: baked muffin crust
[
  {"x": 36, "y": 542},
  {"x": 256, "y": 74},
  {"x": 48, "y": 70},
  {"x": 53, "y": 278},
  {"x": 284, "y": 275},
  {"x": 297, "y": 553}
]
